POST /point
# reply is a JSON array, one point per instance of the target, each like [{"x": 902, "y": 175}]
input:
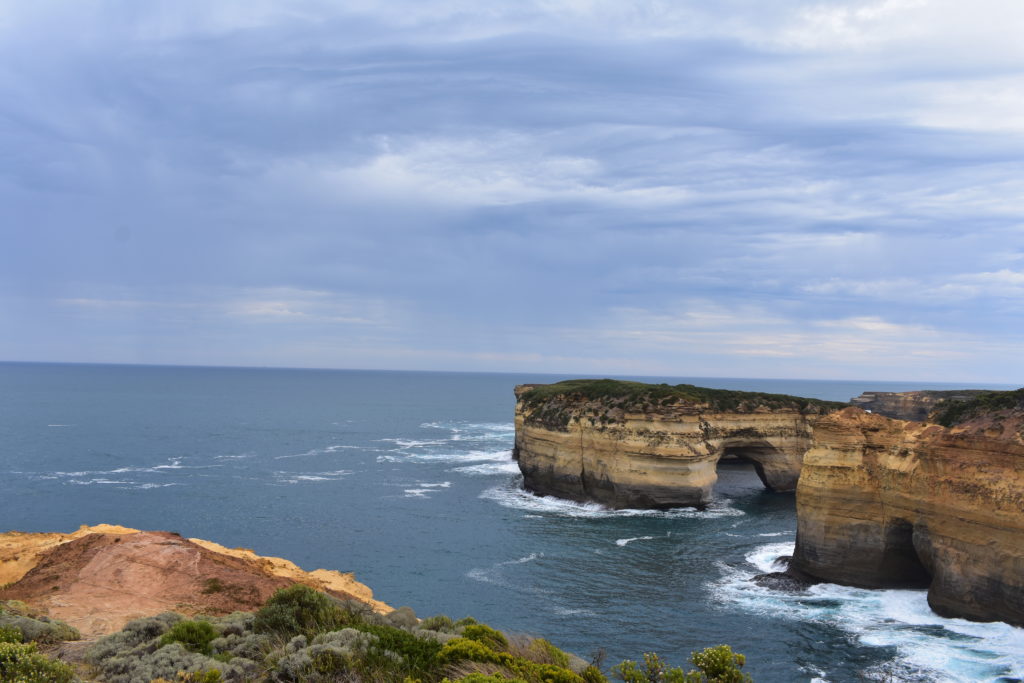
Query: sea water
[{"x": 406, "y": 478}]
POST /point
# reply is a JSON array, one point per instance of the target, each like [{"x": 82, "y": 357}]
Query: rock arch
[{"x": 777, "y": 468}]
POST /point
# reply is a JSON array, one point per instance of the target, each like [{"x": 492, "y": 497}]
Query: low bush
[
  {"x": 22, "y": 663},
  {"x": 300, "y": 610},
  {"x": 195, "y": 636},
  {"x": 35, "y": 627},
  {"x": 714, "y": 665}
]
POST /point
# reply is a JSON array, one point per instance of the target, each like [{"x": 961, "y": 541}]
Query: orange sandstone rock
[{"x": 99, "y": 578}]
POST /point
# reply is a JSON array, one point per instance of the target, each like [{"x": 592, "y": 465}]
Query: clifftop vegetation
[
  {"x": 605, "y": 400},
  {"x": 303, "y": 636},
  {"x": 950, "y": 413}
]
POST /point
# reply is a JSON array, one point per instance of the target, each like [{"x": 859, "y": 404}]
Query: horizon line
[{"x": 487, "y": 372}]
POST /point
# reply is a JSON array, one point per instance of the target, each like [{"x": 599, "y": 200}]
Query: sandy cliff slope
[{"x": 98, "y": 578}]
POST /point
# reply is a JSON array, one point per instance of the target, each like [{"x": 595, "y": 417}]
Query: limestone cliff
[
  {"x": 888, "y": 503},
  {"x": 100, "y": 577},
  {"x": 910, "y": 405},
  {"x": 633, "y": 445}
]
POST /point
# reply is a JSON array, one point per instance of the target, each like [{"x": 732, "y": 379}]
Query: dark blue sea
[{"x": 405, "y": 478}]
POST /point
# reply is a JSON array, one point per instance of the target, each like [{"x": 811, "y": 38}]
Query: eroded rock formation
[
  {"x": 632, "y": 445},
  {"x": 888, "y": 503},
  {"x": 98, "y": 578}
]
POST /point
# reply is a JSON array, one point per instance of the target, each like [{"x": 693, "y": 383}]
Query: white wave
[
  {"x": 520, "y": 499},
  {"x": 777, "y": 533},
  {"x": 298, "y": 477},
  {"x": 570, "y": 612},
  {"x": 929, "y": 647},
  {"x": 150, "y": 486},
  {"x": 489, "y": 468},
  {"x": 492, "y": 574},
  {"x": 308, "y": 454},
  {"x": 626, "y": 541},
  {"x": 243, "y": 456},
  {"x": 440, "y": 485},
  {"x": 417, "y": 493},
  {"x": 91, "y": 482},
  {"x": 494, "y": 427},
  {"x": 455, "y": 458},
  {"x": 60, "y": 425},
  {"x": 175, "y": 465},
  {"x": 404, "y": 444}
]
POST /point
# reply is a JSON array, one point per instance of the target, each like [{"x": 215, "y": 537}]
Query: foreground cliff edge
[
  {"x": 635, "y": 445},
  {"x": 100, "y": 577},
  {"x": 256, "y": 619}
]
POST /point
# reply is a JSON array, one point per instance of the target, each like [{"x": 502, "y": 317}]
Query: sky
[{"x": 685, "y": 188}]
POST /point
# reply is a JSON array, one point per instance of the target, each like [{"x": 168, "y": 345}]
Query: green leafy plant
[
  {"x": 195, "y": 636},
  {"x": 714, "y": 665},
  {"x": 300, "y": 610}
]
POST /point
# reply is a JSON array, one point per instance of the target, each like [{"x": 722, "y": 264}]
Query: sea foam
[{"x": 929, "y": 647}]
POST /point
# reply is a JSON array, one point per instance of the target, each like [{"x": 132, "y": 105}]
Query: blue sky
[{"x": 738, "y": 188}]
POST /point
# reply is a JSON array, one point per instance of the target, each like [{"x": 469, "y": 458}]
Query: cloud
[{"x": 537, "y": 184}]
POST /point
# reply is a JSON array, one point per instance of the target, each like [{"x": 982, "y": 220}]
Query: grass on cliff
[{"x": 950, "y": 413}]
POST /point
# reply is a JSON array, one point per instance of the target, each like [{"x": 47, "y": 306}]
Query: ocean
[{"x": 406, "y": 479}]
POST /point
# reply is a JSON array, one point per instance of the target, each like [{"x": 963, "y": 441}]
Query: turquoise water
[{"x": 406, "y": 479}]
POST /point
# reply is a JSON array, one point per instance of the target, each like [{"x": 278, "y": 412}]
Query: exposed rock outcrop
[
  {"x": 99, "y": 578},
  {"x": 910, "y": 405},
  {"x": 888, "y": 503},
  {"x": 633, "y": 445}
]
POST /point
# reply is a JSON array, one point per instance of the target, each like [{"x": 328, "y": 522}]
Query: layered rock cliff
[
  {"x": 910, "y": 405},
  {"x": 633, "y": 445},
  {"x": 888, "y": 503},
  {"x": 98, "y": 578}
]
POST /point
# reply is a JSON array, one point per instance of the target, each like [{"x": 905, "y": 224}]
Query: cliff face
[
  {"x": 909, "y": 405},
  {"x": 887, "y": 503},
  {"x": 98, "y": 578},
  {"x": 644, "y": 450}
]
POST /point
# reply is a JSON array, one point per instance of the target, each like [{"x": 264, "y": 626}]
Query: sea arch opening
[{"x": 772, "y": 465}]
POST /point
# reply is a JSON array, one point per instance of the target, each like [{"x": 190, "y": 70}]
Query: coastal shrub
[
  {"x": 195, "y": 636},
  {"x": 714, "y": 665},
  {"x": 137, "y": 638},
  {"x": 10, "y": 635},
  {"x": 22, "y": 663},
  {"x": 401, "y": 652},
  {"x": 34, "y": 627},
  {"x": 300, "y": 610},
  {"x": 720, "y": 665},
  {"x": 482, "y": 633},
  {"x": 950, "y": 413},
  {"x": 164, "y": 662},
  {"x": 403, "y": 617},
  {"x": 439, "y": 622},
  {"x": 466, "y": 650},
  {"x": 192, "y": 677},
  {"x": 248, "y": 645}
]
